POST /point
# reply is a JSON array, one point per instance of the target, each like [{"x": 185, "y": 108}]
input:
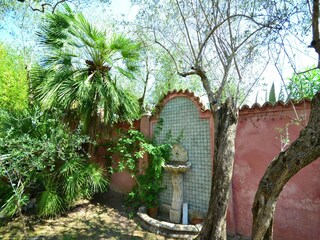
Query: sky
[
  {"x": 304, "y": 57},
  {"x": 122, "y": 9},
  {"x": 118, "y": 9}
]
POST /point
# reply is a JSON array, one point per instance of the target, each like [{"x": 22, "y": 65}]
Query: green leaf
[{"x": 272, "y": 94}]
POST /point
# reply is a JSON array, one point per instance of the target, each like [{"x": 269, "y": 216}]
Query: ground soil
[{"x": 103, "y": 218}]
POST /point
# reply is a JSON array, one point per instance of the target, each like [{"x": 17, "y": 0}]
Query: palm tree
[{"x": 81, "y": 71}]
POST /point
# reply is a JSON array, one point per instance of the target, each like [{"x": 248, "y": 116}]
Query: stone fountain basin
[
  {"x": 177, "y": 167},
  {"x": 167, "y": 229}
]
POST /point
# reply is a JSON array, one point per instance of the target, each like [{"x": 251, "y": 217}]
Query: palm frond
[
  {"x": 129, "y": 50},
  {"x": 73, "y": 187},
  {"x": 17, "y": 199},
  {"x": 95, "y": 180},
  {"x": 52, "y": 33},
  {"x": 50, "y": 202},
  {"x": 71, "y": 167},
  {"x": 78, "y": 69},
  {"x": 127, "y": 73},
  {"x": 129, "y": 107}
]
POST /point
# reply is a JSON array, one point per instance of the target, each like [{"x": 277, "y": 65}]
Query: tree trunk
[
  {"x": 301, "y": 152},
  {"x": 315, "y": 29},
  {"x": 97, "y": 130},
  {"x": 225, "y": 124}
]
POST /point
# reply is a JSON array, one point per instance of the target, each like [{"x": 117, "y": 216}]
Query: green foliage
[
  {"x": 304, "y": 85},
  {"x": 81, "y": 69},
  {"x": 41, "y": 159},
  {"x": 50, "y": 202},
  {"x": 131, "y": 147},
  {"x": 150, "y": 183},
  {"x": 15, "y": 199},
  {"x": 7, "y": 5},
  {"x": 168, "y": 79},
  {"x": 272, "y": 94},
  {"x": 13, "y": 80},
  {"x": 281, "y": 96}
]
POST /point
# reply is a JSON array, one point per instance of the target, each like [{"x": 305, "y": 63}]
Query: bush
[
  {"x": 304, "y": 85},
  {"x": 131, "y": 146},
  {"x": 13, "y": 80},
  {"x": 42, "y": 160}
]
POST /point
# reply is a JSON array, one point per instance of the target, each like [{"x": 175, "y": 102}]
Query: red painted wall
[
  {"x": 123, "y": 182},
  {"x": 257, "y": 144}
]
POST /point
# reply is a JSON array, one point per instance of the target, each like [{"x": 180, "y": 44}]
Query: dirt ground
[{"x": 103, "y": 218}]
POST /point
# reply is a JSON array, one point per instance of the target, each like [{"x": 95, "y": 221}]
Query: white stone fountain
[{"x": 178, "y": 165}]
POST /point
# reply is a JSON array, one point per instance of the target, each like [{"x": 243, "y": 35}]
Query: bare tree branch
[
  {"x": 315, "y": 21},
  {"x": 187, "y": 30},
  {"x": 247, "y": 38},
  {"x": 284, "y": 84},
  {"x": 232, "y": 44},
  {"x": 56, "y": 5},
  {"x": 43, "y": 6},
  {"x": 167, "y": 50},
  {"x": 309, "y": 70},
  {"x": 185, "y": 74},
  {"x": 255, "y": 81},
  {"x": 147, "y": 77},
  {"x": 224, "y": 79},
  {"x": 309, "y": 7},
  {"x": 268, "y": 25}
]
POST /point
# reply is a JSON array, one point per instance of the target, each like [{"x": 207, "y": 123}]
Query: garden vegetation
[{"x": 43, "y": 164}]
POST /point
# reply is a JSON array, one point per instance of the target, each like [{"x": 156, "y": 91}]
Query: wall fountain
[{"x": 177, "y": 166}]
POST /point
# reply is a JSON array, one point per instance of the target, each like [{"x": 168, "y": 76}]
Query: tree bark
[
  {"x": 301, "y": 152},
  {"x": 225, "y": 124},
  {"x": 315, "y": 29}
]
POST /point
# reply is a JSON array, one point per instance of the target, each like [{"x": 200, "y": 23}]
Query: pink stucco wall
[{"x": 257, "y": 144}]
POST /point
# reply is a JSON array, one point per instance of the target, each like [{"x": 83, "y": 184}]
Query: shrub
[
  {"x": 304, "y": 85},
  {"x": 131, "y": 146},
  {"x": 41, "y": 159}
]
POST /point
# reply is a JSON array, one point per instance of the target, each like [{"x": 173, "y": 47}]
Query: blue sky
[{"x": 11, "y": 34}]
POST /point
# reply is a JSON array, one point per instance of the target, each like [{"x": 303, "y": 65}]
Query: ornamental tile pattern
[{"x": 181, "y": 116}]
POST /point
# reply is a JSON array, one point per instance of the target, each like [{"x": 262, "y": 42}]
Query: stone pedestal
[
  {"x": 177, "y": 198},
  {"x": 179, "y": 164}
]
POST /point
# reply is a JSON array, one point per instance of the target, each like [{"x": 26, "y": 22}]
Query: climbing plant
[{"x": 131, "y": 147}]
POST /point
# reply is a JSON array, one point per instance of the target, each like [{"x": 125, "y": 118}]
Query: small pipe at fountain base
[{"x": 185, "y": 214}]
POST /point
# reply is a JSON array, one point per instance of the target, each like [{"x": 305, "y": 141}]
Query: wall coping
[
  {"x": 204, "y": 112},
  {"x": 276, "y": 107},
  {"x": 243, "y": 110}
]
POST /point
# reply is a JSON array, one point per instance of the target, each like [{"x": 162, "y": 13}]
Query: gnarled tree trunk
[
  {"x": 301, "y": 152},
  {"x": 225, "y": 124}
]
